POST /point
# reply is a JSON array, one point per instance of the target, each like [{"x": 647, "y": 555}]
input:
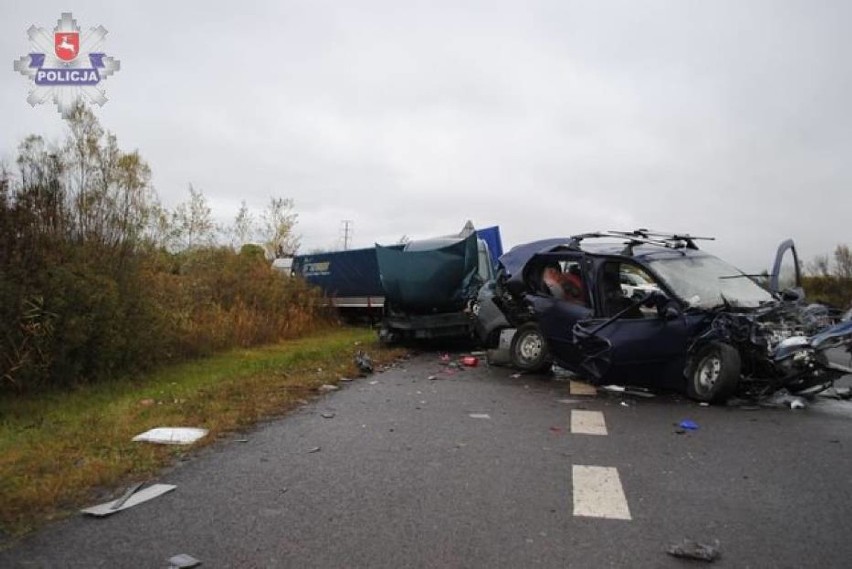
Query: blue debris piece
[{"x": 689, "y": 425}]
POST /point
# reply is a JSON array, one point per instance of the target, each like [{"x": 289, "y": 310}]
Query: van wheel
[
  {"x": 714, "y": 373},
  {"x": 529, "y": 349}
]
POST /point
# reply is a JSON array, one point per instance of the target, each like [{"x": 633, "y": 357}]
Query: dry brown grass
[{"x": 60, "y": 450}]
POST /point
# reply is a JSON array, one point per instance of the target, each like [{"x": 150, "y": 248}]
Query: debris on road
[
  {"x": 783, "y": 398},
  {"x": 614, "y": 388},
  {"x": 126, "y": 496},
  {"x": 625, "y": 404},
  {"x": 137, "y": 497},
  {"x": 689, "y": 549},
  {"x": 327, "y": 415},
  {"x": 470, "y": 361},
  {"x": 171, "y": 435},
  {"x": 839, "y": 393},
  {"x": 314, "y": 449},
  {"x": 327, "y": 387},
  {"x": 183, "y": 561},
  {"x": 479, "y": 416},
  {"x": 346, "y": 379},
  {"x": 688, "y": 425},
  {"x": 363, "y": 362}
]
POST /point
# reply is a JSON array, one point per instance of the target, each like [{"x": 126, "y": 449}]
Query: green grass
[{"x": 59, "y": 450}]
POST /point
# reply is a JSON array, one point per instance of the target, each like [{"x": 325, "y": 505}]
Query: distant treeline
[
  {"x": 829, "y": 280},
  {"x": 98, "y": 280}
]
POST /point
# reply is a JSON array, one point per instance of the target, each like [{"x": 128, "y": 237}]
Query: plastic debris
[
  {"x": 137, "y": 497},
  {"x": 516, "y": 375},
  {"x": 689, "y": 549},
  {"x": 363, "y": 362},
  {"x": 479, "y": 416},
  {"x": 783, "y": 398},
  {"x": 470, "y": 361},
  {"x": 327, "y": 415},
  {"x": 688, "y": 425},
  {"x": 171, "y": 435},
  {"x": 346, "y": 379},
  {"x": 314, "y": 449},
  {"x": 625, "y": 404},
  {"x": 183, "y": 561},
  {"x": 614, "y": 388}
]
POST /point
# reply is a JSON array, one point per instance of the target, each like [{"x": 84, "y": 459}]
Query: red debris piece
[{"x": 470, "y": 361}]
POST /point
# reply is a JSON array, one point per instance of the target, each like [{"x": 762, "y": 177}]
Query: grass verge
[{"x": 59, "y": 450}]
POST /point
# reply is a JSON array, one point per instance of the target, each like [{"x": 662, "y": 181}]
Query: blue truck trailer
[
  {"x": 423, "y": 279},
  {"x": 349, "y": 279}
]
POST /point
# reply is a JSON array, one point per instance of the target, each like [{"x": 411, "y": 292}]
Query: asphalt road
[{"x": 480, "y": 469}]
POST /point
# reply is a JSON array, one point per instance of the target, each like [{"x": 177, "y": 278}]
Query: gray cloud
[{"x": 720, "y": 118}]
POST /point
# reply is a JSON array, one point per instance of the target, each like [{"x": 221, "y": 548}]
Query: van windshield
[{"x": 707, "y": 281}]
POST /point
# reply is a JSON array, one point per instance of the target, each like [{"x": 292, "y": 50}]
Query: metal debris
[
  {"x": 363, "y": 362},
  {"x": 126, "y": 496},
  {"x": 149, "y": 493},
  {"x": 689, "y": 549},
  {"x": 183, "y": 561}
]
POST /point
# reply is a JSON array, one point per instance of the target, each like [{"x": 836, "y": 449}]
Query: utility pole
[{"x": 346, "y": 230}]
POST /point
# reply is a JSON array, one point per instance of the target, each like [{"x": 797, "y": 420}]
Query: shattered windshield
[{"x": 706, "y": 281}]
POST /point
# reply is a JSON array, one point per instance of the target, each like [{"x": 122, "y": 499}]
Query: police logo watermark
[{"x": 67, "y": 66}]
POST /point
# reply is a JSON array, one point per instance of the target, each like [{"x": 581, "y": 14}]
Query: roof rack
[{"x": 643, "y": 237}]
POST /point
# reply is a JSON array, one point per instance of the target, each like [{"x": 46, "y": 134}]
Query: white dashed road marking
[
  {"x": 598, "y": 493},
  {"x": 587, "y": 422},
  {"x": 580, "y": 388}
]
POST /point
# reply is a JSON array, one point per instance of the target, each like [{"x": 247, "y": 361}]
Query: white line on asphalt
[
  {"x": 580, "y": 388},
  {"x": 598, "y": 493},
  {"x": 587, "y": 422}
]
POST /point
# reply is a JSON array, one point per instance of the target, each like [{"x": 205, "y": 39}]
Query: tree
[
  {"x": 243, "y": 228},
  {"x": 192, "y": 222},
  {"x": 279, "y": 221},
  {"x": 843, "y": 262},
  {"x": 819, "y": 267}
]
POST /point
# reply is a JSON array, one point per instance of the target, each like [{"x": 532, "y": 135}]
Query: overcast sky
[{"x": 723, "y": 118}]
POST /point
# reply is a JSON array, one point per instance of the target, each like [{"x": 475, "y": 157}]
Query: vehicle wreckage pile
[{"x": 653, "y": 309}]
